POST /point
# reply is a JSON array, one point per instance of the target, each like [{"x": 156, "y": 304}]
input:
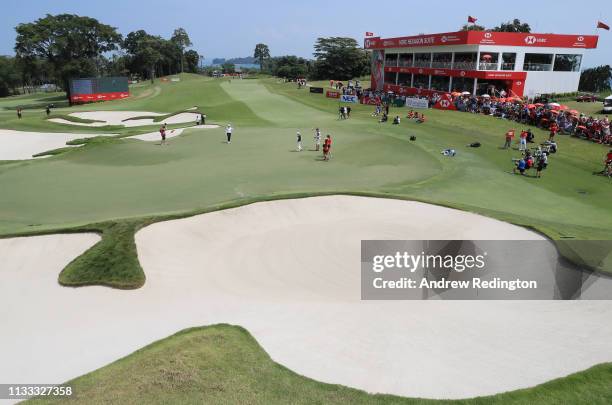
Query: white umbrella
[
  {"x": 485, "y": 96},
  {"x": 554, "y": 104},
  {"x": 466, "y": 93}
]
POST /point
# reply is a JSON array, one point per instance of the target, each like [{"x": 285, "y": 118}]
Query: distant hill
[{"x": 247, "y": 60}]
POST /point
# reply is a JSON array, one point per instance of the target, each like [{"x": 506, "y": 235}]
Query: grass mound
[
  {"x": 224, "y": 364},
  {"x": 112, "y": 262}
]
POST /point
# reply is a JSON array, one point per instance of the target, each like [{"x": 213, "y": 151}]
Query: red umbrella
[
  {"x": 574, "y": 112},
  {"x": 539, "y": 105},
  {"x": 531, "y": 106},
  {"x": 563, "y": 107}
]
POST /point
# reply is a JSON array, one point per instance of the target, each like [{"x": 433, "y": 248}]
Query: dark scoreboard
[{"x": 91, "y": 89}]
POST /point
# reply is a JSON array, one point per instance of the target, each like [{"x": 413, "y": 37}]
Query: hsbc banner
[
  {"x": 88, "y": 98},
  {"x": 445, "y": 103},
  {"x": 486, "y": 38},
  {"x": 332, "y": 94},
  {"x": 413, "y": 102},
  {"x": 349, "y": 99}
]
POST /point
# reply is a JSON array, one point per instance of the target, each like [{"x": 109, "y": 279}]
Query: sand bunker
[
  {"x": 288, "y": 271},
  {"x": 155, "y": 136},
  {"x": 123, "y": 118},
  {"x": 18, "y": 145}
]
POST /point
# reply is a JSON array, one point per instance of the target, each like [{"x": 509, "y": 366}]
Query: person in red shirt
[
  {"x": 523, "y": 141},
  {"x": 509, "y": 137},
  {"x": 554, "y": 128},
  {"x": 327, "y": 147}
]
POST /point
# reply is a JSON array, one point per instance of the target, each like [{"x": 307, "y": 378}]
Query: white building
[{"x": 521, "y": 64}]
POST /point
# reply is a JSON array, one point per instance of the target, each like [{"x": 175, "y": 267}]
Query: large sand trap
[
  {"x": 288, "y": 271},
  {"x": 18, "y": 145},
  {"x": 120, "y": 117}
]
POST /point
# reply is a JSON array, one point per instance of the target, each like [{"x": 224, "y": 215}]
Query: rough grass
[
  {"x": 224, "y": 364},
  {"x": 112, "y": 262}
]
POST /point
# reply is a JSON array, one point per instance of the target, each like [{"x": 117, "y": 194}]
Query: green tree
[
  {"x": 339, "y": 58},
  {"x": 262, "y": 52},
  {"x": 10, "y": 77},
  {"x": 181, "y": 39},
  {"x": 596, "y": 79},
  {"x": 290, "y": 67},
  {"x": 472, "y": 27},
  {"x": 228, "y": 68},
  {"x": 68, "y": 42},
  {"x": 513, "y": 26},
  {"x": 192, "y": 58}
]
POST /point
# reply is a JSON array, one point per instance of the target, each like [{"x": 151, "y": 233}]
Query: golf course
[{"x": 254, "y": 243}]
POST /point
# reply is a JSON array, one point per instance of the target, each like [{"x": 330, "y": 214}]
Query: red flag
[
  {"x": 369, "y": 34},
  {"x": 603, "y": 25},
  {"x": 472, "y": 19}
]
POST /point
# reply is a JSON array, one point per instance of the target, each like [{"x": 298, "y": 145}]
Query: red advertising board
[
  {"x": 332, "y": 94},
  {"x": 88, "y": 98},
  {"x": 486, "y": 38},
  {"x": 480, "y": 74}
]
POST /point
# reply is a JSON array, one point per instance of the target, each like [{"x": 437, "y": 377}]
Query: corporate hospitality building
[{"x": 480, "y": 62}]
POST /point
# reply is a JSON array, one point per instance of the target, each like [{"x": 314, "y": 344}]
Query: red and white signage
[
  {"x": 480, "y": 74},
  {"x": 332, "y": 94},
  {"x": 445, "y": 103},
  {"x": 88, "y": 98},
  {"x": 486, "y": 38}
]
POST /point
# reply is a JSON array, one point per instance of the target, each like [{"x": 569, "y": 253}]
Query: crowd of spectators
[{"x": 546, "y": 116}]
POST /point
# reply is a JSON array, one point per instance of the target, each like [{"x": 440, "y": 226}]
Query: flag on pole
[
  {"x": 472, "y": 20},
  {"x": 603, "y": 26},
  {"x": 369, "y": 34}
]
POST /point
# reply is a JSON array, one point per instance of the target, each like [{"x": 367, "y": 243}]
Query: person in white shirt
[
  {"x": 299, "y": 141},
  {"x": 317, "y": 139},
  {"x": 228, "y": 132}
]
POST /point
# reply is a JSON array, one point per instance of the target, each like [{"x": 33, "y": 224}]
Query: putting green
[{"x": 115, "y": 179}]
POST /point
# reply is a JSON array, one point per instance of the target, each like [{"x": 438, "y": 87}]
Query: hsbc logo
[
  {"x": 444, "y": 38},
  {"x": 519, "y": 83},
  {"x": 488, "y": 35},
  {"x": 530, "y": 40},
  {"x": 580, "y": 39},
  {"x": 368, "y": 43},
  {"x": 420, "y": 70},
  {"x": 463, "y": 73},
  {"x": 444, "y": 103}
]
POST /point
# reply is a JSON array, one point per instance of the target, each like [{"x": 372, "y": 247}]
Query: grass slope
[
  {"x": 224, "y": 364},
  {"x": 118, "y": 180}
]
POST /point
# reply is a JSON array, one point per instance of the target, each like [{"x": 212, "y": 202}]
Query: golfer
[
  {"x": 162, "y": 132},
  {"x": 228, "y": 132},
  {"x": 523, "y": 141},
  {"x": 317, "y": 139},
  {"x": 299, "y": 141},
  {"x": 509, "y": 137}
]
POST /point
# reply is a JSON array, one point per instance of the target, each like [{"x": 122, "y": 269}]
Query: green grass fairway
[
  {"x": 109, "y": 182},
  {"x": 223, "y": 364}
]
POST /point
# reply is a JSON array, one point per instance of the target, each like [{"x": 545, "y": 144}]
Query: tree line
[
  {"x": 337, "y": 58},
  {"x": 56, "y": 48}
]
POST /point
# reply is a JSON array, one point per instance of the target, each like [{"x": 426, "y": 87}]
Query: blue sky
[{"x": 232, "y": 28}]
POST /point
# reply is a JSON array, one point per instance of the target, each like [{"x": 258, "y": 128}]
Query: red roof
[{"x": 486, "y": 38}]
